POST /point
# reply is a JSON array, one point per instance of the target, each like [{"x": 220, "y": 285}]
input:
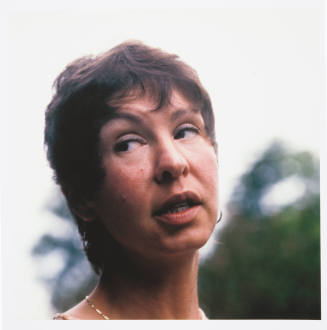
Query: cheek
[
  {"x": 125, "y": 180},
  {"x": 123, "y": 202},
  {"x": 207, "y": 171},
  {"x": 205, "y": 160},
  {"x": 122, "y": 189}
]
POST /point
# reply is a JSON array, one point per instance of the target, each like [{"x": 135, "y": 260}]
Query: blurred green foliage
[
  {"x": 267, "y": 264},
  {"x": 69, "y": 284},
  {"x": 267, "y": 261}
]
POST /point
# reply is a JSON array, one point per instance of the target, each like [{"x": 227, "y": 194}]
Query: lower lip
[{"x": 179, "y": 218}]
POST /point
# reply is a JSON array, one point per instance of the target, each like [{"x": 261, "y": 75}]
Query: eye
[
  {"x": 186, "y": 132},
  {"x": 128, "y": 144}
]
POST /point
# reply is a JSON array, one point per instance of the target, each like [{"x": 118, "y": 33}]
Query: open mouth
[{"x": 179, "y": 209}]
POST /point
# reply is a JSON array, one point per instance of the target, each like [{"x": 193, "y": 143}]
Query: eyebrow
[
  {"x": 135, "y": 118},
  {"x": 127, "y": 116},
  {"x": 181, "y": 112}
]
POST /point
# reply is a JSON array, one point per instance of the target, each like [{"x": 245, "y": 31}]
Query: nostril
[{"x": 166, "y": 176}]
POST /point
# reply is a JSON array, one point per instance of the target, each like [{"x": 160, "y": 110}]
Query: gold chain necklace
[
  {"x": 203, "y": 316},
  {"x": 97, "y": 310}
]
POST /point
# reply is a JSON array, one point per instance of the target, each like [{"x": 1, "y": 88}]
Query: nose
[{"x": 170, "y": 163}]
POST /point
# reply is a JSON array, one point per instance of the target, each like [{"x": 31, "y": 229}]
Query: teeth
[{"x": 178, "y": 208}]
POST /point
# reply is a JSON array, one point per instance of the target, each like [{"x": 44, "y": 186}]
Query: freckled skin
[{"x": 134, "y": 186}]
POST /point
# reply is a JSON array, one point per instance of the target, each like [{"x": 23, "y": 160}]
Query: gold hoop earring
[{"x": 220, "y": 216}]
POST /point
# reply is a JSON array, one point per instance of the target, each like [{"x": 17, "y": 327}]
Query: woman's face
[{"x": 159, "y": 196}]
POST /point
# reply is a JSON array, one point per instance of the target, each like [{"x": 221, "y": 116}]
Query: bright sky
[{"x": 263, "y": 68}]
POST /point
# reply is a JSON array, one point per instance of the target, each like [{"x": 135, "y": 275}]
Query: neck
[{"x": 149, "y": 289}]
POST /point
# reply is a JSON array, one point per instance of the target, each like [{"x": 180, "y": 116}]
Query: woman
[{"x": 130, "y": 136}]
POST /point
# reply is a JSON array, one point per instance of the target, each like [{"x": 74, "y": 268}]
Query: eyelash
[
  {"x": 189, "y": 128},
  {"x": 123, "y": 146},
  {"x": 119, "y": 146}
]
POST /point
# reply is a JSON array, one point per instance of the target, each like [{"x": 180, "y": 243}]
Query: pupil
[{"x": 123, "y": 146}]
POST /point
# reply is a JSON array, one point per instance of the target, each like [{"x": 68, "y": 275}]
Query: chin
[{"x": 186, "y": 242}]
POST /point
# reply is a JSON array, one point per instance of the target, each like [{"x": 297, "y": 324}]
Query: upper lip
[{"x": 188, "y": 196}]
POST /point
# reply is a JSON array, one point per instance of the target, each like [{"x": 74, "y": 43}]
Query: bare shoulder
[
  {"x": 80, "y": 311},
  {"x": 63, "y": 316}
]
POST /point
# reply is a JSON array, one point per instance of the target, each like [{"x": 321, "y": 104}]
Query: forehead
[{"x": 147, "y": 104}]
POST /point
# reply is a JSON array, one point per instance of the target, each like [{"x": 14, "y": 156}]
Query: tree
[
  {"x": 267, "y": 264},
  {"x": 75, "y": 278}
]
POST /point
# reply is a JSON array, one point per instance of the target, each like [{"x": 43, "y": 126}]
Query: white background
[{"x": 261, "y": 62}]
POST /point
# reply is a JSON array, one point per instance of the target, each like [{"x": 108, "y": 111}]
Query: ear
[
  {"x": 79, "y": 207},
  {"x": 84, "y": 210}
]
